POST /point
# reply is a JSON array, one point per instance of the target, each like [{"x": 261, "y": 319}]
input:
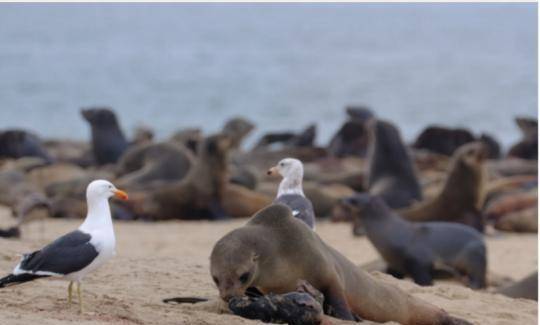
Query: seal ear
[{"x": 255, "y": 257}]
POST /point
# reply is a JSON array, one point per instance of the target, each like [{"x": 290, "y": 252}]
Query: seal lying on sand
[
  {"x": 274, "y": 250},
  {"x": 442, "y": 140},
  {"x": 198, "y": 195},
  {"x": 143, "y": 164},
  {"x": 416, "y": 249},
  {"x": 288, "y": 139},
  {"x": 462, "y": 195},
  {"x": 19, "y": 143},
  {"x": 290, "y": 191},
  {"x": 108, "y": 141},
  {"x": 390, "y": 170}
]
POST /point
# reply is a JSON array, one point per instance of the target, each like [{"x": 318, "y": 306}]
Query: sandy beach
[{"x": 167, "y": 259}]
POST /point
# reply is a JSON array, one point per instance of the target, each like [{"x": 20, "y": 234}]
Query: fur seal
[
  {"x": 391, "y": 173},
  {"x": 289, "y": 139},
  {"x": 199, "y": 194},
  {"x": 416, "y": 249},
  {"x": 527, "y": 148},
  {"x": 352, "y": 138},
  {"x": 19, "y": 143},
  {"x": 190, "y": 138},
  {"x": 143, "y": 164},
  {"x": 108, "y": 141},
  {"x": 443, "y": 140},
  {"x": 237, "y": 129},
  {"x": 462, "y": 195},
  {"x": 274, "y": 250},
  {"x": 290, "y": 192}
]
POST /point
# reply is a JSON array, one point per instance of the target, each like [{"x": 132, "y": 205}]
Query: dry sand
[{"x": 161, "y": 260}]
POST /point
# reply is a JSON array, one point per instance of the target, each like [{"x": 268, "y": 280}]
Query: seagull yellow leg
[
  {"x": 80, "y": 297},
  {"x": 70, "y": 287}
]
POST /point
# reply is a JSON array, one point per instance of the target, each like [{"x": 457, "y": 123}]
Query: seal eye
[
  {"x": 244, "y": 278},
  {"x": 215, "y": 280}
]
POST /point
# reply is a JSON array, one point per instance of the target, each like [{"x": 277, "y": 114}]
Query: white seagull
[
  {"x": 290, "y": 192},
  {"x": 79, "y": 252}
]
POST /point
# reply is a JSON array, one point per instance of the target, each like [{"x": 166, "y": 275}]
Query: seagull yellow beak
[
  {"x": 121, "y": 194},
  {"x": 272, "y": 171}
]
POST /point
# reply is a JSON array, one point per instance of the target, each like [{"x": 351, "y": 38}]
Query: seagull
[
  {"x": 79, "y": 252},
  {"x": 290, "y": 192}
]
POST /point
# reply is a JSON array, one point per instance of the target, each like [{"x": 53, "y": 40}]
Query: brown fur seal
[
  {"x": 20, "y": 143},
  {"x": 416, "y": 249},
  {"x": 462, "y": 195},
  {"x": 352, "y": 138},
  {"x": 527, "y": 148},
  {"x": 199, "y": 194},
  {"x": 108, "y": 140},
  {"x": 391, "y": 173},
  {"x": 143, "y": 164},
  {"x": 274, "y": 250},
  {"x": 443, "y": 140},
  {"x": 288, "y": 139},
  {"x": 237, "y": 129}
]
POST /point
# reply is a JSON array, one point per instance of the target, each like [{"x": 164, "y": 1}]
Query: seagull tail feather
[{"x": 13, "y": 279}]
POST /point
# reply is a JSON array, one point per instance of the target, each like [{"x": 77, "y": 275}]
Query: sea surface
[{"x": 283, "y": 66}]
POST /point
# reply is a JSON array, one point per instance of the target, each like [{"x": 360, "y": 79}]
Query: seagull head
[
  {"x": 288, "y": 168},
  {"x": 102, "y": 189}
]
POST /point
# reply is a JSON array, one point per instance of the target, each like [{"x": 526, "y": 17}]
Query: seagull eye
[
  {"x": 244, "y": 278},
  {"x": 282, "y": 164}
]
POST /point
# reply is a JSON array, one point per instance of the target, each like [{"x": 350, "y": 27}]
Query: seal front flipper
[
  {"x": 335, "y": 304},
  {"x": 420, "y": 272}
]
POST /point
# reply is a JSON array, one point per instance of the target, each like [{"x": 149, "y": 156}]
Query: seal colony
[{"x": 422, "y": 222}]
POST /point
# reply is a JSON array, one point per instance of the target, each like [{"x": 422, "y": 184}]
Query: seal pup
[
  {"x": 74, "y": 255},
  {"x": 391, "y": 173},
  {"x": 108, "y": 140},
  {"x": 290, "y": 192},
  {"x": 416, "y": 249},
  {"x": 274, "y": 250},
  {"x": 462, "y": 195}
]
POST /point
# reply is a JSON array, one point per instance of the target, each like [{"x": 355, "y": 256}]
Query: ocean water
[{"x": 282, "y": 66}]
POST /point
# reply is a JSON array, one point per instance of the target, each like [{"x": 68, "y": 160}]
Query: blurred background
[{"x": 282, "y": 66}]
